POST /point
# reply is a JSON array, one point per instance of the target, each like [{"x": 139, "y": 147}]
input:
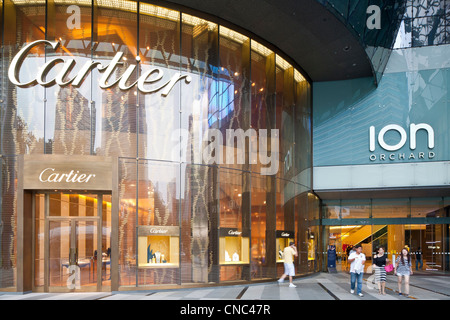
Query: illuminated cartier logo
[
  {"x": 148, "y": 82},
  {"x": 49, "y": 175},
  {"x": 234, "y": 233}
]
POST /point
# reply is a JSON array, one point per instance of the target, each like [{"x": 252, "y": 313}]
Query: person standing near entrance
[
  {"x": 289, "y": 269},
  {"x": 357, "y": 260},
  {"x": 403, "y": 268},
  {"x": 379, "y": 262},
  {"x": 419, "y": 259}
]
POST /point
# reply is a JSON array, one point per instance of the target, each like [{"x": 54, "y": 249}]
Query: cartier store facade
[{"x": 147, "y": 147}]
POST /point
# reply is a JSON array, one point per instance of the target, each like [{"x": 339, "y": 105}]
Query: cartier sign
[
  {"x": 50, "y": 175},
  {"x": 285, "y": 234},
  {"x": 62, "y": 172},
  {"x": 159, "y": 231},
  {"x": 232, "y": 232},
  {"x": 150, "y": 81}
]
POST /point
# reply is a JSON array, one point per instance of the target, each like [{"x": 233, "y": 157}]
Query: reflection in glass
[
  {"x": 258, "y": 226},
  {"x": 23, "y": 120},
  {"x": 390, "y": 208},
  {"x": 115, "y": 109},
  {"x": 127, "y": 222},
  {"x": 159, "y": 46},
  {"x": 355, "y": 209},
  {"x": 427, "y": 207},
  {"x": 59, "y": 244},
  {"x": 68, "y": 109}
]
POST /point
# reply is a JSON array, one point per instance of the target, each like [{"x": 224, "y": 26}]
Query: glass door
[{"x": 70, "y": 253}]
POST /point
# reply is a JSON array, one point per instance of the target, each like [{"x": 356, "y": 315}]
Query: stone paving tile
[{"x": 323, "y": 286}]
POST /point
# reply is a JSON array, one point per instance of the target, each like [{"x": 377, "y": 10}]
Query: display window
[
  {"x": 158, "y": 247},
  {"x": 233, "y": 247},
  {"x": 283, "y": 238}
]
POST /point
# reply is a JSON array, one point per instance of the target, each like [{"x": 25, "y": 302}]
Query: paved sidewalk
[{"x": 321, "y": 286}]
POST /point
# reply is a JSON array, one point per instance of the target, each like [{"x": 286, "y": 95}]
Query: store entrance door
[{"x": 71, "y": 253}]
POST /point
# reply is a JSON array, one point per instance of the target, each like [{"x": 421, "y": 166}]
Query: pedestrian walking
[
  {"x": 380, "y": 260},
  {"x": 289, "y": 269},
  {"x": 403, "y": 268},
  {"x": 357, "y": 260}
]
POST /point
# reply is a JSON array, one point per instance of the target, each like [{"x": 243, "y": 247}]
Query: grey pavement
[{"x": 320, "y": 286}]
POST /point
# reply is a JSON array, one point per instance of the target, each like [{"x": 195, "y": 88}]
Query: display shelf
[{"x": 158, "y": 265}]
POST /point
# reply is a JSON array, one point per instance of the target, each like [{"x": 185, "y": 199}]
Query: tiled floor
[{"x": 322, "y": 286}]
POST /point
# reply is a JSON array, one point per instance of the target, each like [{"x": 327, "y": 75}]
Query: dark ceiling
[{"x": 304, "y": 30}]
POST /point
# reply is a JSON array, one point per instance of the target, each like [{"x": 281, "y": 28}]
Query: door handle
[{"x": 73, "y": 256}]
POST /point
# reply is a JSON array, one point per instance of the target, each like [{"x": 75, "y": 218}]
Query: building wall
[
  {"x": 158, "y": 140},
  {"x": 413, "y": 90}
]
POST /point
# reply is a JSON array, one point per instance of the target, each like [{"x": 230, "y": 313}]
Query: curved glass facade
[{"x": 162, "y": 92}]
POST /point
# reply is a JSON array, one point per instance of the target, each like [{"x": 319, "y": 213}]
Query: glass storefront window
[
  {"x": 68, "y": 109},
  {"x": 127, "y": 222},
  {"x": 427, "y": 207},
  {"x": 24, "y": 119},
  {"x": 355, "y": 209},
  {"x": 259, "y": 221},
  {"x": 331, "y": 209},
  {"x": 159, "y": 46},
  {"x": 115, "y": 110},
  {"x": 390, "y": 208}
]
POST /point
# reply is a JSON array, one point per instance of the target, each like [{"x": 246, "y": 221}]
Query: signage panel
[
  {"x": 158, "y": 231},
  {"x": 233, "y": 232},
  {"x": 52, "y": 172},
  {"x": 285, "y": 234}
]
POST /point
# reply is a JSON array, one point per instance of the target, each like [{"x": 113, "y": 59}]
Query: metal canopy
[{"x": 304, "y": 30}]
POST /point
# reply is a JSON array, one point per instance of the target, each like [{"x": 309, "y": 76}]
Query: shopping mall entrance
[
  {"x": 428, "y": 244},
  {"x": 72, "y": 242}
]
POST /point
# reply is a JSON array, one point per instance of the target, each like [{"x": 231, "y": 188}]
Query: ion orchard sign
[
  {"x": 413, "y": 129},
  {"x": 152, "y": 76}
]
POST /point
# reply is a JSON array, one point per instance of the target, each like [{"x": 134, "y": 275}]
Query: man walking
[
  {"x": 289, "y": 269},
  {"x": 357, "y": 260}
]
